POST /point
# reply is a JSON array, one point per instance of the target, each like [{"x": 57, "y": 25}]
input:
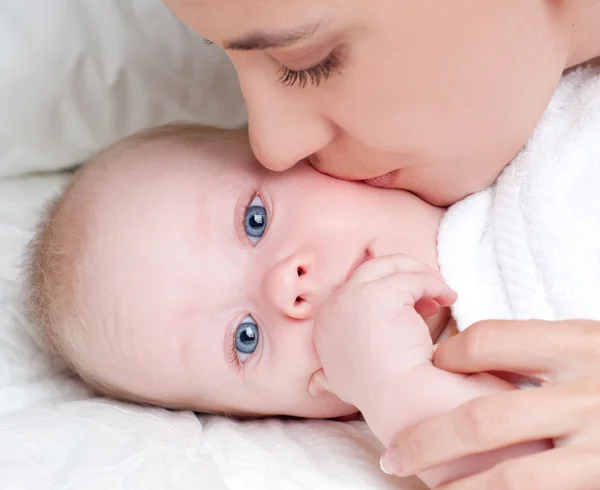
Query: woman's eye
[
  {"x": 246, "y": 338},
  {"x": 255, "y": 220},
  {"x": 314, "y": 75}
]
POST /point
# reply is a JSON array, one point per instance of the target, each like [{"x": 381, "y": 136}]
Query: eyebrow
[{"x": 259, "y": 40}]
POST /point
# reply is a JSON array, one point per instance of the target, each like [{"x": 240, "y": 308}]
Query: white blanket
[{"x": 529, "y": 246}]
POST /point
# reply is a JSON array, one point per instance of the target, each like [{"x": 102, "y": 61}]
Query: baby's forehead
[{"x": 216, "y": 157}]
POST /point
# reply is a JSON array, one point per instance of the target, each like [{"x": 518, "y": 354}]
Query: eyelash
[
  {"x": 233, "y": 356},
  {"x": 315, "y": 74},
  {"x": 242, "y": 215}
]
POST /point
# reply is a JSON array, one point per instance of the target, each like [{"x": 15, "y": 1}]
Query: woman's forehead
[{"x": 223, "y": 21}]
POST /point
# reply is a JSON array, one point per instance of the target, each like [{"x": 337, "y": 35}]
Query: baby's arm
[
  {"x": 425, "y": 391},
  {"x": 376, "y": 350}
]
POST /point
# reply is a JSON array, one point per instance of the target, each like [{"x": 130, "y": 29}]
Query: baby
[{"x": 176, "y": 271}]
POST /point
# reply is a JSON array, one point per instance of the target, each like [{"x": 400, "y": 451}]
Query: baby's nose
[{"x": 290, "y": 288}]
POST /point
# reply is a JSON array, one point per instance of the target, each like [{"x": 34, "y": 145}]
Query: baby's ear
[{"x": 318, "y": 383}]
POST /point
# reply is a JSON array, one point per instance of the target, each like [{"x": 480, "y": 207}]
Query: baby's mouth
[{"x": 364, "y": 257}]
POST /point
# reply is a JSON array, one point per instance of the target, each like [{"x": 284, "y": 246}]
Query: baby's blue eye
[
  {"x": 255, "y": 221},
  {"x": 246, "y": 338}
]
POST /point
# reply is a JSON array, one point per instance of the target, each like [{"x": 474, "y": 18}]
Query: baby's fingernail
[
  {"x": 390, "y": 462},
  {"x": 435, "y": 346}
]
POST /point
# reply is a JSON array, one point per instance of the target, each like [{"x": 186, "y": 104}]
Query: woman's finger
[
  {"x": 564, "y": 350},
  {"x": 558, "y": 469},
  {"x": 492, "y": 422}
]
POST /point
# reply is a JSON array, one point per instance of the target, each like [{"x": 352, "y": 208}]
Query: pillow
[{"x": 78, "y": 75}]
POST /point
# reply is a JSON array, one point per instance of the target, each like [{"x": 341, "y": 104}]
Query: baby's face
[{"x": 209, "y": 271}]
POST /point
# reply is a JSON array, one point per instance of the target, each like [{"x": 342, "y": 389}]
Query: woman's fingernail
[{"x": 390, "y": 463}]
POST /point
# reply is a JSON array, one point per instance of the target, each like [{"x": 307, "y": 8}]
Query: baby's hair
[{"x": 58, "y": 253}]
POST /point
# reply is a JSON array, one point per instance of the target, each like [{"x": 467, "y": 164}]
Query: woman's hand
[{"x": 565, "y": 357}]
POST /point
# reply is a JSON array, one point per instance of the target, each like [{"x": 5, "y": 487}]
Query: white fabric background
[{"x": 79, "y": 74}]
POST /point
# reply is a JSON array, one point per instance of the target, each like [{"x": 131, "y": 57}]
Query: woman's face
[{"x": 431, "y": 96}]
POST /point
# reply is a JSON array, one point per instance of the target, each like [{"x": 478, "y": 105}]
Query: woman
[{"x": 434, "y": 97}]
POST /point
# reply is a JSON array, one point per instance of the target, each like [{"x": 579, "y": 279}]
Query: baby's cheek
[{"x": 287, "y": 377}]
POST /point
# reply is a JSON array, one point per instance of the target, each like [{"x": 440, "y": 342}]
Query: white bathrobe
[{"x": 528, "y": 247}]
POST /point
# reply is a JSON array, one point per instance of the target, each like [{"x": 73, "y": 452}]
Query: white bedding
[{"x": 54, "y": 436}]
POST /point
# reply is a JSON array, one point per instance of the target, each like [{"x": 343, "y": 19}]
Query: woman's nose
[
  {"x": 289, "y": 286},
  {"x": 284, "y": 127}
]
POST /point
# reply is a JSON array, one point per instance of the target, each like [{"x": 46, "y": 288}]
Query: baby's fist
[{"x": 369, "y": 332}]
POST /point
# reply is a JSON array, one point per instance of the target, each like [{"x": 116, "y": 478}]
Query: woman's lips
[{"x": 386, "y": 181}]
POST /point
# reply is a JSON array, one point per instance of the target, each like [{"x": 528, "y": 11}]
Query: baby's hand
[{"x": 369, "y": 332}]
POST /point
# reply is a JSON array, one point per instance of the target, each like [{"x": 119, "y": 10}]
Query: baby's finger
[
  {"x": 390, "y": 264},
  {"x": 408, "y": 289},
  {"x": 427, "y": 307},
  {"x": 318, "y": 383}
]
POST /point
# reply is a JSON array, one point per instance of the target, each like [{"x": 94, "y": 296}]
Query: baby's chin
[
  {"x": 325, "y": 406},
  {"x": 333, "y": 408},
  {"x": 342, "y": 415}
]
